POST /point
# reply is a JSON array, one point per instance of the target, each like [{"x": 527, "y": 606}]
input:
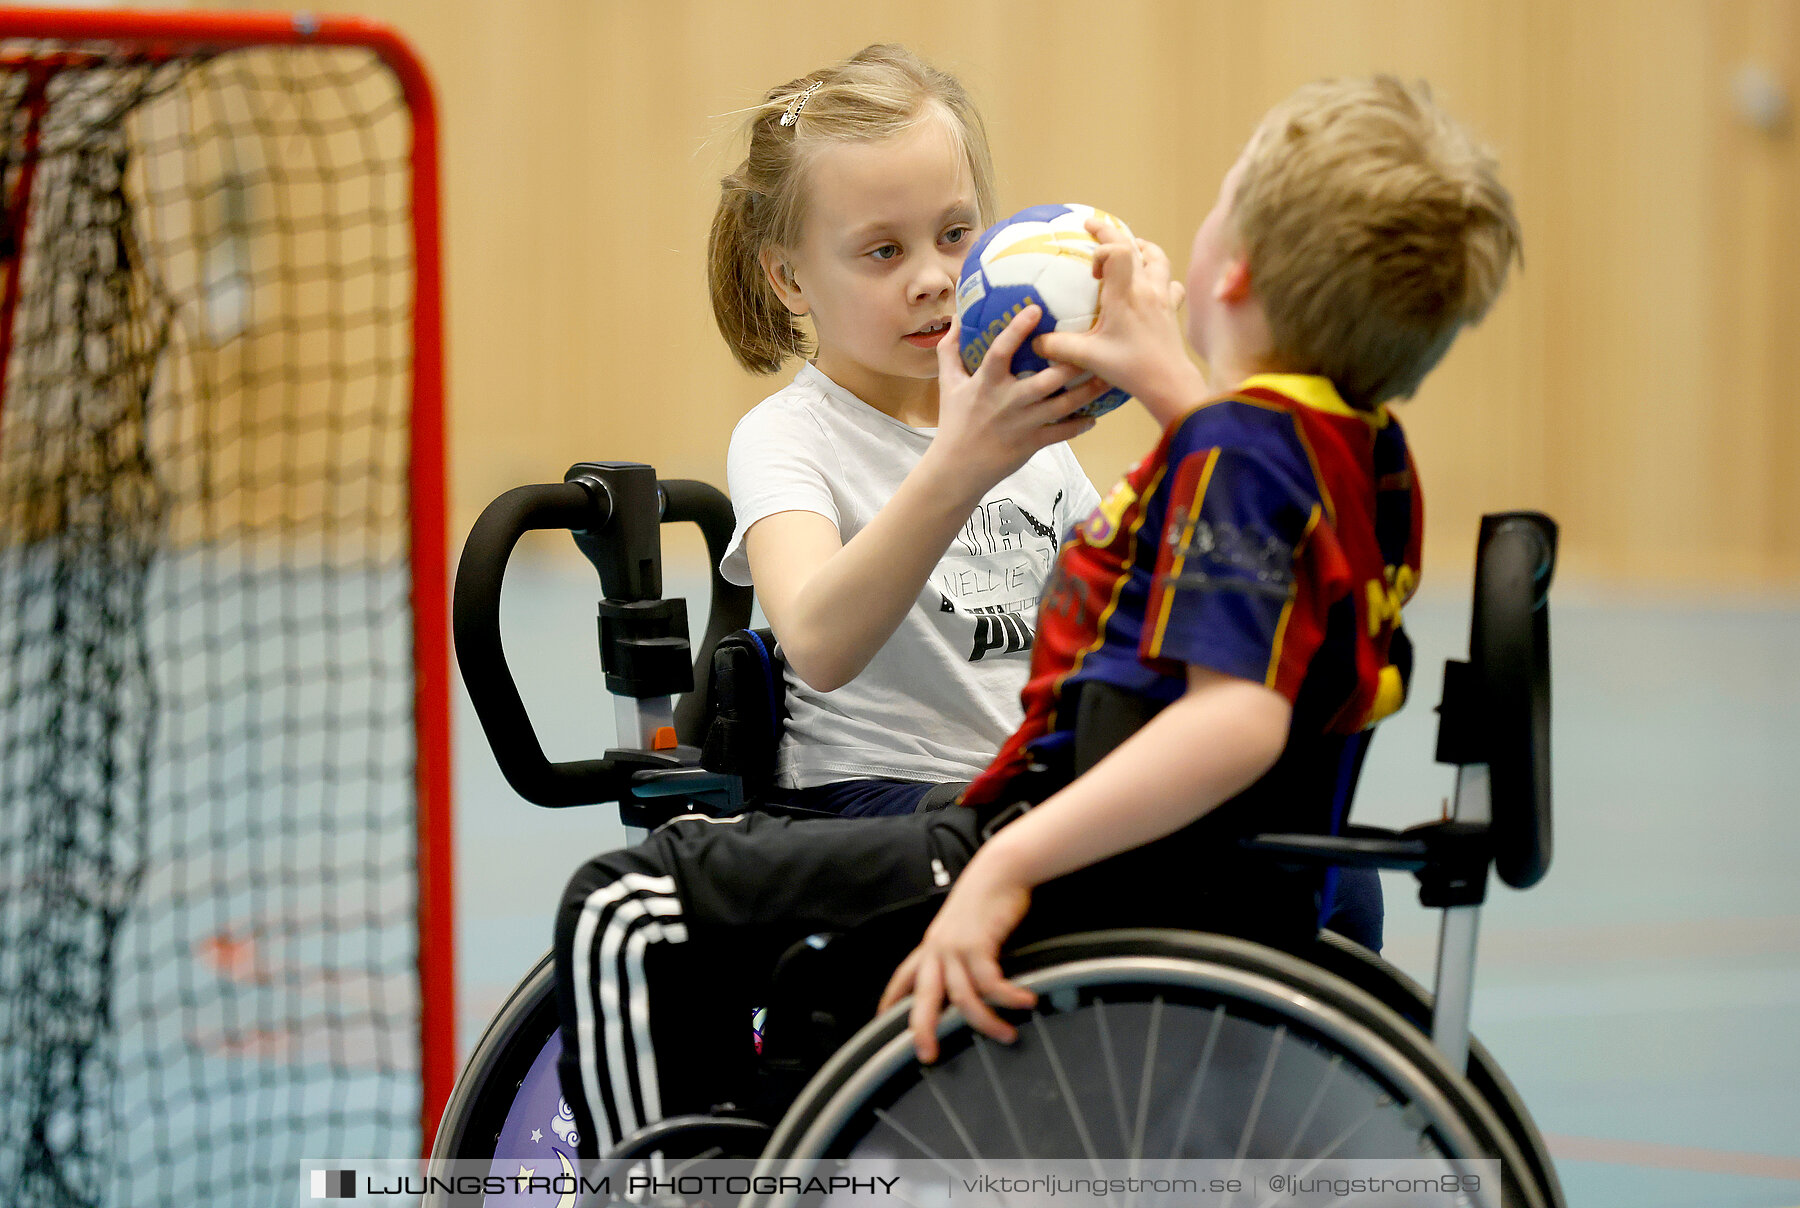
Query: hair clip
[{"x": 794, "y": 106}]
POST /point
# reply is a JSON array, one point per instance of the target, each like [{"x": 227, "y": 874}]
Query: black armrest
[
  {"x": 1449, "y": 858},
  {"x": 1357, "y": 847}
]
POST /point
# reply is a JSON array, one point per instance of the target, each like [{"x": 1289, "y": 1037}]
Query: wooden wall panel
[
  {"x": 1753, "y": 472},
  {"x": 1636, "y": 380}
]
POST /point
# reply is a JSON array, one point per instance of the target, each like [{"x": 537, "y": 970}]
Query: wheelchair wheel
[
  {"x": 509, "y": 1090},
  {"x": 1151, "y": 1045},
  {"x": 1366, "y": 970}
]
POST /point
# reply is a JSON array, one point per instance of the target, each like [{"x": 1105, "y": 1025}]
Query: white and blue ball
[{"x": 1041, "y": 255}]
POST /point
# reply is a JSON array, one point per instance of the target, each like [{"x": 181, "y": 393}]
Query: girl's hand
[
  {"x": 993, "y": 421},
  {"x": 1137, "y": 344},
  {"x": 959, "y": 959}
]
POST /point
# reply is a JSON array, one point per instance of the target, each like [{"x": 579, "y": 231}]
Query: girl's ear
[{"x": 780, "y": 272}]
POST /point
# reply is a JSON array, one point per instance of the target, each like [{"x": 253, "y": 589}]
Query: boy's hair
[
  {"x": 1375, "y": 227},
  {"x": 878, "y": 92}
]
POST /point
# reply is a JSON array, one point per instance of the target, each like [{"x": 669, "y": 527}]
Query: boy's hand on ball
[
  {"x": 1151, "y": 252},
  {"x": 1137, "y": 343},
  {"x": 1042, "y": 257}
]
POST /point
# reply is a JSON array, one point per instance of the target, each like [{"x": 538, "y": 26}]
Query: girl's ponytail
[{"x": 757, "y": 327}]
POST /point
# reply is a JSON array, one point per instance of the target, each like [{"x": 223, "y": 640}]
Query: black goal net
[{"x": 221, "y": 731}]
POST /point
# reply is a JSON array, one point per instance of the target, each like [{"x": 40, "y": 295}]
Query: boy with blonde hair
[
  {"x": 1240, "y": 588},
  {"x": 1245, "y": 580}
]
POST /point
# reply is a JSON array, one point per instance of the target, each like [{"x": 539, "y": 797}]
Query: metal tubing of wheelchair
[
  {"x": 1455, "y": 984},
  {"x": 638, "y": 720},
  {"x": 1456, "y": 937}
]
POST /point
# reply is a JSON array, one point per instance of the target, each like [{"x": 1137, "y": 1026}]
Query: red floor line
[{"x": 1671, "y": 1157}]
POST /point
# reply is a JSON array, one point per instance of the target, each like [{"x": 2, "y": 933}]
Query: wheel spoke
[
  {"x": 1312, "y": 1108},
  {"x": 1006, "y": 1112},
  {"x": 1313, "y": 1163},
  {"x": 1110, "y": 1057},
  {"x": 1256, "y": 1105},
  {"x": 1340, "y": 1140},
  {"x": 1153, "y": 1034},
  {"x": 1192, "y": 1099},
  {"x": 930, "y": 1079},
  {"x": 1068, "y": 1094},
  {"x": 887, "y": 1118}
]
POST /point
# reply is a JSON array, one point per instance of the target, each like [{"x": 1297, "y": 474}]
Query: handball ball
[{"x": 1042, "y": 255}]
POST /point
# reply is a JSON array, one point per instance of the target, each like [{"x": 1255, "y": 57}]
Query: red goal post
[{"x": 263, "y": 494}]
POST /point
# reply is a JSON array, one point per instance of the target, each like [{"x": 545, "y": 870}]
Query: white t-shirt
[{"x": 942, "y": 694}]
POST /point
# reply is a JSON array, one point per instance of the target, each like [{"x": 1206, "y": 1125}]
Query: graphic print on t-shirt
[{"x": 987, "y": 580}]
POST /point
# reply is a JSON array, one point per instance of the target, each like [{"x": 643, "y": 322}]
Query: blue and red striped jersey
[{"x": 1272, "y": 534}]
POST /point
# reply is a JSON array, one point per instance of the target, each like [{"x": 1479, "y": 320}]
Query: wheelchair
[{"x": 1144, "y": 1042}]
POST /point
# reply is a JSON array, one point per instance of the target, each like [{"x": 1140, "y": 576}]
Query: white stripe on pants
[{"x": 629, "y": 914}]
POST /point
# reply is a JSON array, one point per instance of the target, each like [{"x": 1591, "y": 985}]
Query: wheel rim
[
  {"x": 1375, "y": 1083},
  {"x": 1104, "y": 1092}
]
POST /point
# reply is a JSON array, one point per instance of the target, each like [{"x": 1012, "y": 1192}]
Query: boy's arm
[
  {"x": 833, "y": 604},
  {"x": 1218, "y": 739}
]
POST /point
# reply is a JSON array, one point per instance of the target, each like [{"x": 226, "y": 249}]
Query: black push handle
[
  {"x": 614, "y": 510},
  {"x": 475, "y": 624}
]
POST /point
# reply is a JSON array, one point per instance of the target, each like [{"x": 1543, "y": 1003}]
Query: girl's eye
[
  {"x": 886, "y": 251},
  {"x": 956, "y": 235}
]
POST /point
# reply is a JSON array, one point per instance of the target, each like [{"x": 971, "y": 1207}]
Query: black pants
[{"x": 663, "y": 949}]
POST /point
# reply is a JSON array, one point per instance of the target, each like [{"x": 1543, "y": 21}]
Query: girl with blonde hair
[{"x": 897, "y": 515}]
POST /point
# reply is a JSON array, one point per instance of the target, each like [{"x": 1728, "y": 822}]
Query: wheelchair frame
[{"x": 1494, "y": 730}]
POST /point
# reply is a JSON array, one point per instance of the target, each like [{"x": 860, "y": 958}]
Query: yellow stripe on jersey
[
  {"x": 1195, "y": 506},
  {"x": 1287, "y": 610},
  {"x": 1119, "y": 581}
]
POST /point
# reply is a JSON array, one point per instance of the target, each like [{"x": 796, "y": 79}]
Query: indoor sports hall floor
[{"x": 1645, "y": 998}]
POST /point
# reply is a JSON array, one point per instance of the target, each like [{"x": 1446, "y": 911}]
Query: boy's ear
[
  {"x": 1233, "y": 283},
  {"x": 780, "y": 272}
]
